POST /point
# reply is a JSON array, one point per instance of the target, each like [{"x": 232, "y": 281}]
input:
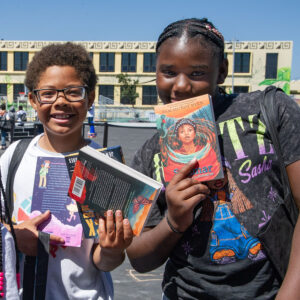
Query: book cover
[
  {"x": 103, "y": 183},
  {"x": 89, "y": 218},
  {"x": 187, "y": 129},
  {"x": 48, "y": 195}
]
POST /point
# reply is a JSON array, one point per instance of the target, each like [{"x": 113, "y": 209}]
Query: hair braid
[{"x": 194, "y": 27}]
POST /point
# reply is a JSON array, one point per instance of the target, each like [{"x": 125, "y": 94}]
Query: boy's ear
[
  {"x": 32, "y": 100},
  {"x": 223, "y": 71},
  {"x": 91, "y": 98}
]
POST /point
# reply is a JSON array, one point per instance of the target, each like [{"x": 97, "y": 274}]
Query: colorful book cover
[
  {"x": 49, "y": 195},
  {"x": 103, "y": 183},
  {"x": 89, "y": 218},
  {"x": 187, "y": 129}
]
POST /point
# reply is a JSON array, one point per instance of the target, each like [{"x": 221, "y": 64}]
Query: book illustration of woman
[
  {"x": 188, "y": 139},
  {"x": 72, "y": 208},
  {"x": 230, "y": 240},
  {"x": 43, "y": 173}
]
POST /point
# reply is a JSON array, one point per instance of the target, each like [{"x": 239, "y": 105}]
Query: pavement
[{"x": 128, "y": 284}]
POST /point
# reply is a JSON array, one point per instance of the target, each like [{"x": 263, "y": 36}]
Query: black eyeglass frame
[{"x": 36, "y": 93}]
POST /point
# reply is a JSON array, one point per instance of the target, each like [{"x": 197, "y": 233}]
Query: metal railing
[{"x": 31, "y": 129}]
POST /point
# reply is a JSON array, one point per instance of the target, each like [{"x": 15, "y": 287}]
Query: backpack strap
[
  {"x": 270, "y": 115},
  {"x": 13, "y": 167},
  {"x": 276, "y": 235},
  {"x": 35, "y": 268}
]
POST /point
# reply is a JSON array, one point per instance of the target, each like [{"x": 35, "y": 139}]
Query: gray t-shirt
[{"x": 220, "y": 256}]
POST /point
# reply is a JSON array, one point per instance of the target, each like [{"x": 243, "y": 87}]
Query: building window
[
  {"x": 3, "y": 61},
  {"x": 18, "y": 88},
  {"x": 242, "y": 62},
  {"x": 128, "y": 62},
  {"x": 124, "y": 99},
  {"x": 271, "y": 65},
  {"x": 107, "y": 62},
  {"x": 106, "y": 94},
  {"x": 3, "y": 91},
  {"x": 91, "y": 54},
  {"x": 20, "y": 61},
  {"x": 149, "y": 95},
  {"x": 149, "y": 62},
  {"x": 241, "y": 89}
]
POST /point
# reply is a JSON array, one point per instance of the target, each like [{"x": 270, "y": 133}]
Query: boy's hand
[
  {"x": 114, "y": 238},
  {"x": 114, "y": 235},
  {"x": 27, "y": 234},
  {"x": 182, "y": 195}
]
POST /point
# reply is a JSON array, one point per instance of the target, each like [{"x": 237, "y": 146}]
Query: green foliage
[
  {"x": 268, "y": 82},
  {"x": 128, "y": 88},
  {"x": 286, "y": 88},
  {"x": 283, "y": 75}
]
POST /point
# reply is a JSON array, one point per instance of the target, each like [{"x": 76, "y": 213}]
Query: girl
[
  {"x": 61, "y": 80},
  {"x": 190, "y": 62}
]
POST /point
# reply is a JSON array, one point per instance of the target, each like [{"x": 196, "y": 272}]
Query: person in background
[
  {"x": 191, "y": 226},
  {"x": 12, "y": 121},
  {"x": 21, "y": 116},
  {"x": 90, "y": 117},
  {"x": 3, "y": 117}
]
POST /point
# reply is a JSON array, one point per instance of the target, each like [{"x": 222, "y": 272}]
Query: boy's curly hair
[{"x": 66, "y": 54}]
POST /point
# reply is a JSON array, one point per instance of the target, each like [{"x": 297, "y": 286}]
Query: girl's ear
[
  {"x": 32, "y": 100},
  {"x": 223, "y": 71},
  {"x": 91, "y": 98}
]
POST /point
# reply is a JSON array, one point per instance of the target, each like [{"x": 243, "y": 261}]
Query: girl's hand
[
  {"x": 27, "y": 234},
  {"x": 182, "y": 195},
  {"x": 114, "y": 238}
]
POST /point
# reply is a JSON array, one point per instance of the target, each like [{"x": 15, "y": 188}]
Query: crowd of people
[{"x": 209, "y": 234}]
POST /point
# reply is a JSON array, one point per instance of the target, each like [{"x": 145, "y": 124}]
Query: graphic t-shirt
[
  {"x": 71, "y": 271},
  {"x": 220, "y": 256}
]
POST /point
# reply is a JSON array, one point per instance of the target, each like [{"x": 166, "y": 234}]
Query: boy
[{"x": 61, "y": 80}]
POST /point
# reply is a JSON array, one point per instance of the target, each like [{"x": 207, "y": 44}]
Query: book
[
  {"x": 48, "y": 195},
  {"x": 89, "y": 218},
  {"x": 68, "y": 218},
  {"x": 187, "y": 129},
  {"x": 103, "y": 183}
]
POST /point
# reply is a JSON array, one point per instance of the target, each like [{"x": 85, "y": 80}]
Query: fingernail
[
  {"x": 109, "y": 213},
  {"x": 118, "y": 213},
  {"x": 193, "y": 161},
  {"x": 126, "y": 221}
]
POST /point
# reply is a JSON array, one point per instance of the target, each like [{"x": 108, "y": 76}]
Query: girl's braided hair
[{"x": 194, "y": 27}]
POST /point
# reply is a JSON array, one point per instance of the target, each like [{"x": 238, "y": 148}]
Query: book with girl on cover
[
  {"x": 103, "y": 183},
  {"x": 187, "y": 129}
]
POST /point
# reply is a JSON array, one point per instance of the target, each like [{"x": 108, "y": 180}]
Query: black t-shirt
[{"x": 219, "y": 256}]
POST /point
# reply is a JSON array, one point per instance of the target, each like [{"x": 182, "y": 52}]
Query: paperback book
[
  {"x": 48, "y": 195},
  {"x": 89, "y": 218},
  {"x": 103, "y": 183},
  {"x": 187, "y": 130}
]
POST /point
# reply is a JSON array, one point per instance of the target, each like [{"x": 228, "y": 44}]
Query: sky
[{"x": 144, "y": 20}]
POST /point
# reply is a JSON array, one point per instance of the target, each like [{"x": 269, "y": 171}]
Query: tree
[{"x": 128, "y": 89}]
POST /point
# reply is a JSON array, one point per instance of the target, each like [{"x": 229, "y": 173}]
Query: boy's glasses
[{"x": 72, "y": 94}]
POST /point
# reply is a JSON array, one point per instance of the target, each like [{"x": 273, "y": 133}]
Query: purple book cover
[{"x": 50, "y": 192}]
